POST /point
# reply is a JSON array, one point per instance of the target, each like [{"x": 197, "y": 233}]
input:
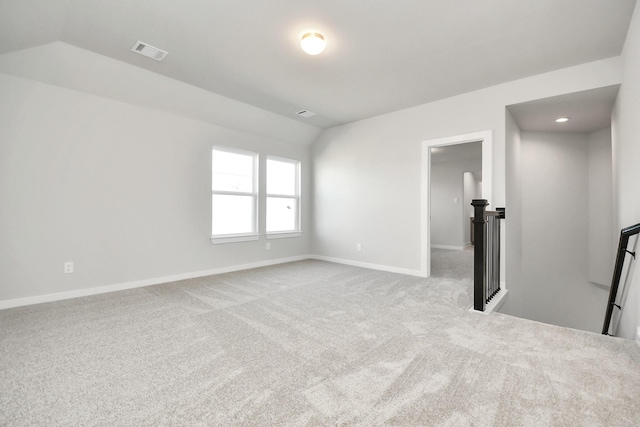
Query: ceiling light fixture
[
  {"x": 562, "y": 119},
  {"x": 313, "y": 43},
  {"x": 306, "y": 113},
  {"x": 149, "y": 51}
]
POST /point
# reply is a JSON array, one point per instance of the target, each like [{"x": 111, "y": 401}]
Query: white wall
[
  {"x": 449, "y": 227},
  {"x": 471, "y": 190},
  {"x": 514, "y": 304},
  {"x": 626, "y": 158},
  {"x": 544, "y": 257},
  {"x": 367, "y": 174},
  {"x": 554, "y": 284},
  {"x": 600, "y": 236},
  {"x": 121, "y": 190}
]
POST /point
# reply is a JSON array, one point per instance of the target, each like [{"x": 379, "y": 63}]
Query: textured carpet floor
[
  {"x": 452, "y": 264},
  {"x": 307, "y": 343}
]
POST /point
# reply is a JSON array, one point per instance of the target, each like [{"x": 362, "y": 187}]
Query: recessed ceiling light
[
  {"x": 313, "y": 43},
  {"x": 562, "y": 119}
]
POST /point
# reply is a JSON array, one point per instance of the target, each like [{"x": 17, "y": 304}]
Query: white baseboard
[
  {"x": 452, "y": 248},
  {"x": 39, "y": 299},
  {"x": 379, "y": 267},
  {"x": 494, "y": 304},
  {"x": 19, "y": 302}
]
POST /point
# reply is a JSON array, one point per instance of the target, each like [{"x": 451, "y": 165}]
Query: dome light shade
[
  {"x": 313, "y": 43},
  {"x": 562, "y": 119}
]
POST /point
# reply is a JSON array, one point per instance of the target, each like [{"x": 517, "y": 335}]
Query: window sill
[
  {"x": 234, "y": 239},
  {"x": 284, "y": 235}
]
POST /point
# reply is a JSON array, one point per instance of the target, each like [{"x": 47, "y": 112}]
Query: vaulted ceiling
[{"x": 381, "y": 55}]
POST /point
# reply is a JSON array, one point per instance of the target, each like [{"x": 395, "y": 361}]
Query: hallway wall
[
  {"x": 555, "y": 243},
  {"x": 626, "y": 158},
  {"x": 449, "y": 227},
  {"x": 601, "y": 235}
]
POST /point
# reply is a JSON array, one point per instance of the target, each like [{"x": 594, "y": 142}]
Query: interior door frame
[{"x": 486, "y": 137}]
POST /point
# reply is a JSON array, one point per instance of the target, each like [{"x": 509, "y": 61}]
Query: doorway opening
[{"x": 440, "y": 199}]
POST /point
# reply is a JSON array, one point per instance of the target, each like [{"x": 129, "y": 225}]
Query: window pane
[
  {"x": 281, "y": 178},
  {"x": 231, "y": 214},
  {"x": 281, "y": 214},
  {"x": 232, "y": 171}
]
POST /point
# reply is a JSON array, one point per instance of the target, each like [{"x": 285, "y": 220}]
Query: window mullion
[
  {"x": 234, "y": 193},
  {"x": 283, "y": 196}
]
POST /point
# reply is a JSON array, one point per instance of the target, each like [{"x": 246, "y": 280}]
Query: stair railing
[
  {"x": 625, "y": 234},
  {"x": 486, "y": 253}
]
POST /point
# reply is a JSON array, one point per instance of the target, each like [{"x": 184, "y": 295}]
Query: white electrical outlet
[
  {"x": 358, "y": 247},
  {"x": 268, "y": 245},
  {"x": 68, "y": 267}
]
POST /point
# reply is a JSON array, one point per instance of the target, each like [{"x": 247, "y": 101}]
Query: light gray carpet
[
  {"x": 307, "y": 343},
  {"x": 452, "y": 264}
]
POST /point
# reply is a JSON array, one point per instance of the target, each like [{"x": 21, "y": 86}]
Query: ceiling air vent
[
  {"x": 149, "y": 51},
  {"x": 306, "y": 113}
]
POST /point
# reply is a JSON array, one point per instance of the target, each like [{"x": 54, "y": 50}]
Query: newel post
[{"x": 479, "y": 288}]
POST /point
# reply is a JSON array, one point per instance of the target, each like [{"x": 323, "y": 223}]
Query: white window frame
[
  {"x": 297, "y": 232},
  {"x": 239, "y": 237}
]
